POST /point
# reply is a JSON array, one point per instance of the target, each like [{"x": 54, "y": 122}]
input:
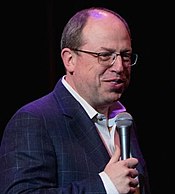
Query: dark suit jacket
[{"x": 52, "y": 146}]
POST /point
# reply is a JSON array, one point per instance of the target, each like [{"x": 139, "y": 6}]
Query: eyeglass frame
[{"x": 110, "y": 54}]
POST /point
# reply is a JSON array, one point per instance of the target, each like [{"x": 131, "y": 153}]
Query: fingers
[
  {"x": 133, "y": 182},
  {"x": 131, "y": 162},
  {"x": 122, "y": 172},
  {"x": 116, "y": 155},
  {"x": 133, "y": 172},
  {"x": 133, "y": 185}
]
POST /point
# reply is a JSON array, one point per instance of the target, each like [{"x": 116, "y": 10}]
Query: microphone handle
[{"x": 124, "y": 135}]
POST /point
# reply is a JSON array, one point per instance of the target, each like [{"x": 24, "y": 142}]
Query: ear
[{"x": 68, "y": 59}]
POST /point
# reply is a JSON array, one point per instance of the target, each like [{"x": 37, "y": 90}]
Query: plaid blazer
[{"x": 51, "y": 146}]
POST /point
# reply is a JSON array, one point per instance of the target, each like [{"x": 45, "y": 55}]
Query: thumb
[{"x": 115, "y": 157}]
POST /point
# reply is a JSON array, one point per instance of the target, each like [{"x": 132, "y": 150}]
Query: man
[{"x": 67, "y": 141}]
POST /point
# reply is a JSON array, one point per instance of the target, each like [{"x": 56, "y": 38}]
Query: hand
[{"x": 122, "y": 173}]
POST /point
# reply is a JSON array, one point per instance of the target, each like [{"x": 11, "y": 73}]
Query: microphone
[{"x": 123, "y": 123}]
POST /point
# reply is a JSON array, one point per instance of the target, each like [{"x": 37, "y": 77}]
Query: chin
[
  {"x": 119, "y": 96},
  {"x": 115, "y": 97}
]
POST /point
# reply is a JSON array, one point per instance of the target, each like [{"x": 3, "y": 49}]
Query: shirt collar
[{"x": 90, "y": 110}]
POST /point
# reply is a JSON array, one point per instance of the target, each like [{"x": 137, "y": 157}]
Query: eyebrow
[{"x": 114, "y": 50}]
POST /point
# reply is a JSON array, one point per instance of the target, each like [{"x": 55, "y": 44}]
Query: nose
[{"x": 118, "y": 63}]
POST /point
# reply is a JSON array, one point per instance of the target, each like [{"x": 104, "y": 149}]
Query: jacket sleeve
[{"x": 28, "y": 161}]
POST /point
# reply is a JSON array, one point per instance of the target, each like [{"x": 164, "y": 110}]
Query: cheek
[
  {"x": 83, "y": 74},
  {"x": 128, "y": 76},
  {"x": 128, "y": 73},
  {"x": 87, "y": 71}
]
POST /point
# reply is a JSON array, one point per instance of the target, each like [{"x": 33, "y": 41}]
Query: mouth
[
  {"x": 116, "y": 81},
  {"x": 116, "y": 84}
]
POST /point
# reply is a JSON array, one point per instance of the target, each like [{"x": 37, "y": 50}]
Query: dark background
[{"x": 31, "y": 65}]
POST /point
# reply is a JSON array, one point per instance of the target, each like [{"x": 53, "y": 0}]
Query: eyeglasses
[{"x": 109, "y": 58}]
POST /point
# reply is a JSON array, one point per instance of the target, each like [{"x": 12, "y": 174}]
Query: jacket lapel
[
  {"x": 83, "y": 127},
  {"x": 88, "y": 137}
]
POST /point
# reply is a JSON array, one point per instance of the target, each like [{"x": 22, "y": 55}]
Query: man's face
[{"x": 97, "y": 83}]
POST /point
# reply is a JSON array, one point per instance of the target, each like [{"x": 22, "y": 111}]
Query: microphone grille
[{"x": 124, "y": 119}]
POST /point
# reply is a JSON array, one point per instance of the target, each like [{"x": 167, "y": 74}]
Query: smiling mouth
[
  {"x": 117, "y": 81},
  {"x": 117, "y": 85}
]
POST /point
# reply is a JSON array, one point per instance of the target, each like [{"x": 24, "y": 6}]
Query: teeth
[{"x": 117, "y": 81}]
